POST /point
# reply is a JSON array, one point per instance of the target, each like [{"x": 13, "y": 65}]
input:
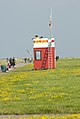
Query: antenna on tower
[{"x": 50, "y": 24}]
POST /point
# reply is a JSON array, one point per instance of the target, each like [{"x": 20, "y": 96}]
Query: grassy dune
[{"x": 56, "y": 91}]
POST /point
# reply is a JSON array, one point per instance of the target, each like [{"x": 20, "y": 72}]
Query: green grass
[{"x": 28, "y": 91}]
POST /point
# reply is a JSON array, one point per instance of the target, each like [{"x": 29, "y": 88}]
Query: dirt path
[
  {"x": 17, "y": 65},
  {"x": 20, "y": 65},
  {"x": 26, "y": 116},
  {"x": 45, "y": 116}
]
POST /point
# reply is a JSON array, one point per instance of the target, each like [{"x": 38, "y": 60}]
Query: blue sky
[{"x": 20, "y": 20}]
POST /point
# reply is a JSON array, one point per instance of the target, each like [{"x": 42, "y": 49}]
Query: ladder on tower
[
  {"x": 45, "y": 59},
  {"x": 50, "y": 66}
]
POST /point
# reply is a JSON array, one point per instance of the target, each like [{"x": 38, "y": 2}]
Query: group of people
[{"x": 11, "y": 62}]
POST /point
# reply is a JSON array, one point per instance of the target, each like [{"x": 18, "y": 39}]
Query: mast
[
  {"x": 50, "y": 24},
  {"x": 49, "y": 43}
]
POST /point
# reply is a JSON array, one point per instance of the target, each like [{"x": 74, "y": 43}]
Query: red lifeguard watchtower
[{"x": 44, "y": 51}]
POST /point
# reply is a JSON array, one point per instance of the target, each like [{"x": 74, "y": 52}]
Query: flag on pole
[
  {"x": 50, "y": 20},
  {"x": 50, "y": 23}
]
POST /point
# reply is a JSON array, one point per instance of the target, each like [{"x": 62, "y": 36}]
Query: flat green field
[{"x": 27, "y": 91}]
